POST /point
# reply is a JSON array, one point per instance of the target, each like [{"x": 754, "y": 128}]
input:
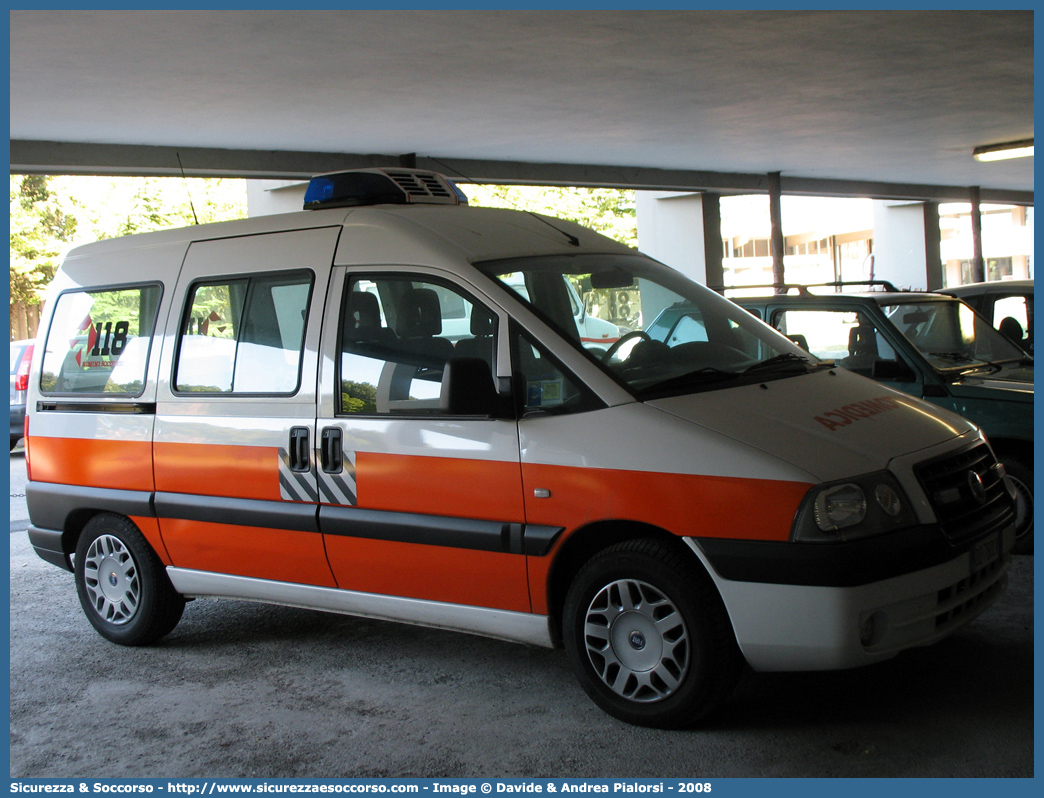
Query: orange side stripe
[
  {"x": 97, "y": 463},
  {"x": 487, "y": 489},
  {"x": 282, "y": 555},
  {"x": 699, "y": 506},
  {"x": 435, "y": 573},
  {"x": 684, "y": 504},
  {"x": 208, "y": 469}
]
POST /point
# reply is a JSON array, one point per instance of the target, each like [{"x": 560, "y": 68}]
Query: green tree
[
  {"x": 116, "y": 206},
  {"x": 41, "y": 229},
  {"x": 49, "y": 215},
  {"x": 358, "y": 397},
  {"x": 612, "y": 212}
]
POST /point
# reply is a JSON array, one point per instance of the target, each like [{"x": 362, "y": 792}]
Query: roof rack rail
[{"x": 782, "y": 288}]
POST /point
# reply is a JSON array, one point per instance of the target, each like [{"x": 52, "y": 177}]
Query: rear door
[
  {"x": 236, "y": 489},
  {"x": 416, "y": 503}
]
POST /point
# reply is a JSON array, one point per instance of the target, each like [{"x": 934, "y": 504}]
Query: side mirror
[
  {"x": 800, "y": 340},
  {"x": 893, "y": 371},
  {"x": 468, "y": 388}
]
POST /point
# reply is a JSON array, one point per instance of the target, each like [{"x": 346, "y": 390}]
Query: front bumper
[{"x": 785, "y": 627}]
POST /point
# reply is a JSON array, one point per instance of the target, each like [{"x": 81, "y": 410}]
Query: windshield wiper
[
  {"x": 962, "y": 357},
  {"x": 784, "y": 359},
  {"x": 698, "y": 377}
]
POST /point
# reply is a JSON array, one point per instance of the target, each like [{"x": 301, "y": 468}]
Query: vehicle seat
[
  {"x": 362, "y": 321},
  {"x": 363, "y": 332},
  {"x": 480, "y": 344},
  {"x": 862, "y": 349},
  {"x": 1012, "y": 330},
  {"x": 420, "y": 325}
]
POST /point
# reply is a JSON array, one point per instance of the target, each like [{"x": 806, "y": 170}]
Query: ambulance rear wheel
[
  {"x": 122, "y": 585},
  {"x": 648, "y": 636}
]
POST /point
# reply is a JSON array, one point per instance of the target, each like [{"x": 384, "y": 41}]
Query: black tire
[
  {"x": 122, "y": 585},
  {"x": 630, "y": 659},
  {"x": 1022, "y": 477}
]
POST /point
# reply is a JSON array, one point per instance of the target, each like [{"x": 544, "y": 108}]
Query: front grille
[
  {"x": 965, "y": 599},
  {"x": 967, "y": 493}
]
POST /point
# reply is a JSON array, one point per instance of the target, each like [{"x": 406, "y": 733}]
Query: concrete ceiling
[{"x": 873, "y": 102}]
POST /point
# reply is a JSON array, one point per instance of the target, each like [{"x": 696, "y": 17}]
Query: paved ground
[{"x": 248, "y": 690}]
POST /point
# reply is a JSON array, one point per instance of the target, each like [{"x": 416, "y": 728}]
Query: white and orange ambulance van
[{"x": 270, "y": 410}]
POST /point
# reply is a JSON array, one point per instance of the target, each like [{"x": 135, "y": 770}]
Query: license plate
[{"x": 985, "y": 552}]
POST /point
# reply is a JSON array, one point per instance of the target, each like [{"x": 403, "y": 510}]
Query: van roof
[{"x": 390, "y": 233}]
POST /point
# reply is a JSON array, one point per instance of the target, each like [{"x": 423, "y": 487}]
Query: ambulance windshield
[{"x": 652, "y": 329}]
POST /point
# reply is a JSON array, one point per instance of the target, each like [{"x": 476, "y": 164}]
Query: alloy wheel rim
[
  {"x": 637, "y": 641},
  {"x": 111, "y": 578}
]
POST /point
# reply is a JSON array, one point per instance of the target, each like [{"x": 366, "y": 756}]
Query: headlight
[
  {"x": 856, "y": 508},
  {"x": 839, "y": 507}
]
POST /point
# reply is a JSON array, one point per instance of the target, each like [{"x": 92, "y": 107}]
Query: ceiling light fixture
[{"x": 1000, "y": 152}]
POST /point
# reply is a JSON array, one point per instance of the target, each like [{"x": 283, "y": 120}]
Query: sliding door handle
[
  {"x": 300, "y": 458},
  {"x": 332, "y": 453}
]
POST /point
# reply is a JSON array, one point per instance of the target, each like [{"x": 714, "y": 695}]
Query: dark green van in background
[{"x": 932, "y": 346}]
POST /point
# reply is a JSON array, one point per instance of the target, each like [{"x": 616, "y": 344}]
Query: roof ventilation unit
[{"x": 381, "y": 187}]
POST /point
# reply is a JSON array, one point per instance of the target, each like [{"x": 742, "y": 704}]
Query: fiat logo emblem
[
  {"x": 637, "y": 641},
  {"x": 113, "y": 580},
  {"x": 978, "y": 490}
]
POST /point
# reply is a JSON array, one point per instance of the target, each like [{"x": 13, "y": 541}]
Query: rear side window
[
  {"x": 99, "y": 341},
  {"x": 1013, "y": 316},
  {"x": 244, "y": 335},
  {"x": 845, "y": 336}
]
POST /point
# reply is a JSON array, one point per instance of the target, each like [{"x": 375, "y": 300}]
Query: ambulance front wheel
[
  {"x": 121, "y": 583},
  {"x": 648, "y": 636}
]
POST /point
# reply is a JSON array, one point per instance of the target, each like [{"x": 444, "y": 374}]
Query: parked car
[
  {"x": 1008, "y": 305},
  {"x": 21, "y": 355},
  {"x": 932, "y": 346}
]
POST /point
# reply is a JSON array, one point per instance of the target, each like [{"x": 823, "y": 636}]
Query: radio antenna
[
  {"x": 572, "y": 239},
  {"x": 185, "y": 181}
]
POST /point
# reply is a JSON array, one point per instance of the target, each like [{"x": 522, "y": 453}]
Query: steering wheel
[{"x": 612, "y": 350}]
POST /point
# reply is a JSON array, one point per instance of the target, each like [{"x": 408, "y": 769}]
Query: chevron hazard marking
[{"x": 295, "y": 486}]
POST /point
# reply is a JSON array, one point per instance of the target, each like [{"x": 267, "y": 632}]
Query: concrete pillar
[
  {"x": 933, "y": 267},
  {"x": 978, "y": 265},
  {"x": 906, "y": 240},
  {"x": 673, "y": 228},
  {"x": 713, "y": 252},
  {"x": 268, "y": 197},
  {"x": 776, "y": 243}
]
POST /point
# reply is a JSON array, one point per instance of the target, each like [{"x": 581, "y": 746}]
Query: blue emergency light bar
[{"x": 381, "y": 187}]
